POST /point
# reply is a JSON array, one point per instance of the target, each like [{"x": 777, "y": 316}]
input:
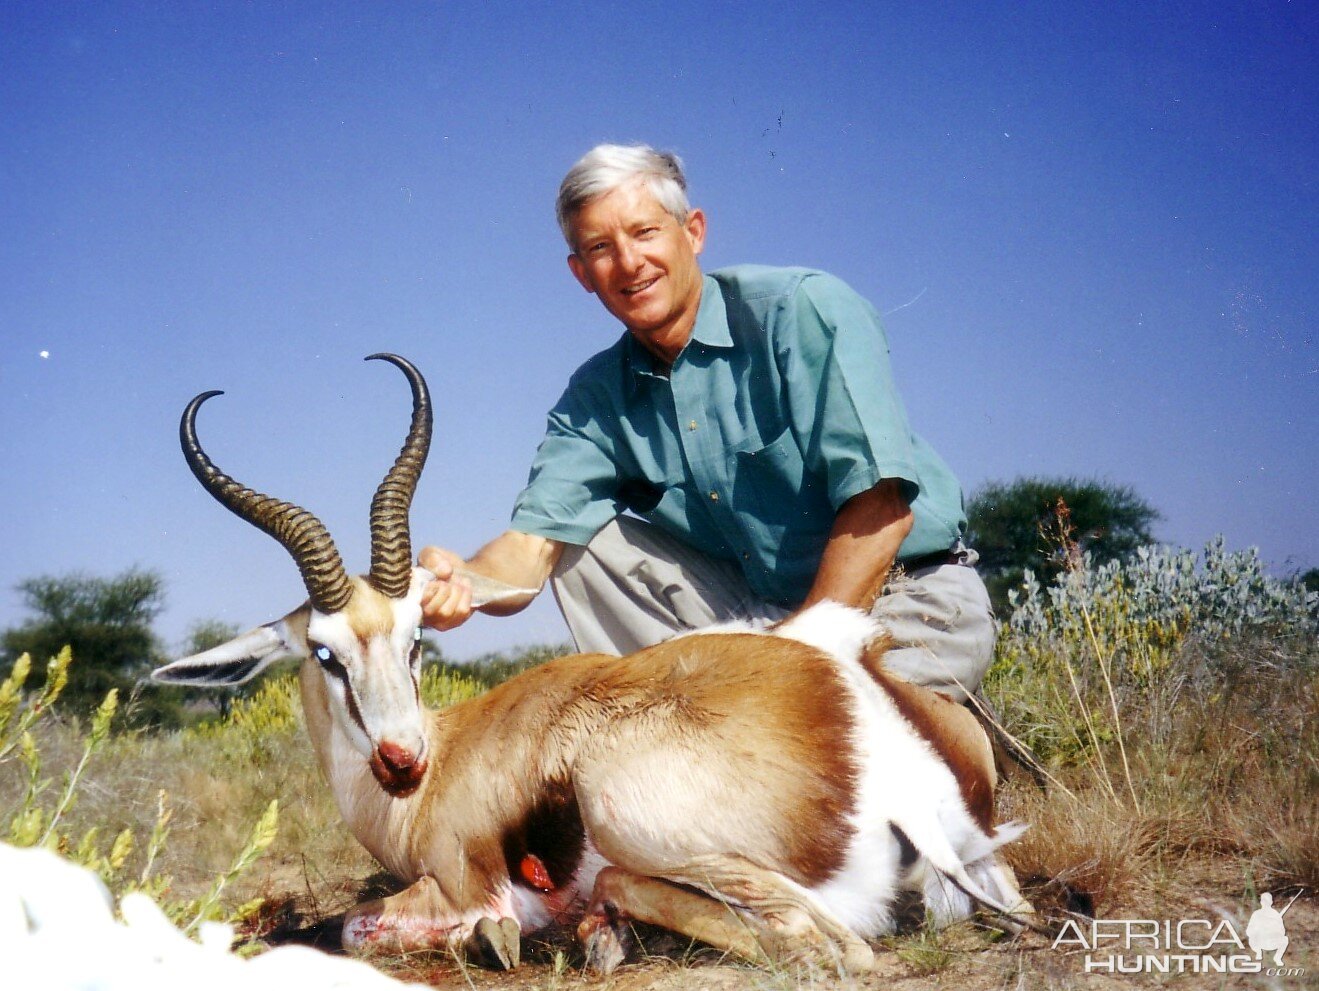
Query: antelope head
[{"x": 364, "y": 633}]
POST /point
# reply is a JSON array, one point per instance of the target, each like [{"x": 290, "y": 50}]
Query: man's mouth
[{"x": 640, "y": 287}]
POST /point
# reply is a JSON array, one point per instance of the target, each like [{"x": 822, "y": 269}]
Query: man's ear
[
  {"x": 695, "y": 229},
  {"x": 578, "y": 269}
]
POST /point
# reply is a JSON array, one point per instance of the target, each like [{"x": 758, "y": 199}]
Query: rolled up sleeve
[
  {"x": 847, "y": 415},
  {"x": 572, "y": 489}
]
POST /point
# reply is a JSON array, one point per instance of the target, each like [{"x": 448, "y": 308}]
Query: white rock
[{"x": 58, "y": 932}]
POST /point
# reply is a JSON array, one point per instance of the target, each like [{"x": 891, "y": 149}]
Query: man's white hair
[{"x": 606, "y": 167}]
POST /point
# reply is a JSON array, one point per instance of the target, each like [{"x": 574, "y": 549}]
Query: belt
[{"x": 954, "y": 555}]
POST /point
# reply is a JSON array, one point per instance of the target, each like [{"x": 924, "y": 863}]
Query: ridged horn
[
  {"x": 391, "y": 539},
  {"x": 298, "y": 531}
]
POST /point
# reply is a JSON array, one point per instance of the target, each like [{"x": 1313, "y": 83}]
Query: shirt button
[
  {"x": 691, "y": 425},
  {"x": 714, "y": 496}
]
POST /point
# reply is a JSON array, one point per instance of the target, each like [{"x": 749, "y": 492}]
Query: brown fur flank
[
  {"x": 792, "y": 704},
  {"x": 592, "y": 726}
]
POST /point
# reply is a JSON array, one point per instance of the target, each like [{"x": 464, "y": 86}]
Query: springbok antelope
[{"x": 769, "y": 792}]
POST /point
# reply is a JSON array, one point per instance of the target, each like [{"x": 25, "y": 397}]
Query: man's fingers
[
  {"x": 438, "y": 561},
  {"x": 446, "y": 604},
  {"x": 447, "y": 601}
]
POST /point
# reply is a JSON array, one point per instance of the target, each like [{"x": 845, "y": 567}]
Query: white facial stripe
[{"x": 373, "y": 683}]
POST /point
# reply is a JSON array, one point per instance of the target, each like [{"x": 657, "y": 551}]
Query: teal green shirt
[{"x": 780, "y": 408}]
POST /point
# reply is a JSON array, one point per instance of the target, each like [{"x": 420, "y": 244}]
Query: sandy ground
[
  {"x": 965, "y": 956},
  {"x": 1024, "y": 963}
]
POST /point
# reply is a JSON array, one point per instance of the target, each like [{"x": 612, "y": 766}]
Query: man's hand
[
  {"x": 520, "y": 560},
  {"x": 446, "y": 603}
]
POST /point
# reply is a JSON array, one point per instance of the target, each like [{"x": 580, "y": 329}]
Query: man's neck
[
  {"x": 666, "y": 344},
  {"x": 661, "y": 362}
]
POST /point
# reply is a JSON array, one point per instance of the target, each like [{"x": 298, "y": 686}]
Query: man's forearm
[
  {"x": 516, "y": 559},
  {"x": 862, "y": 547},
  {"x": 522, "y": 560}
]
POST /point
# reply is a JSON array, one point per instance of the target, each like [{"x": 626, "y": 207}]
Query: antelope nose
[{"x": 399, "y": 760}]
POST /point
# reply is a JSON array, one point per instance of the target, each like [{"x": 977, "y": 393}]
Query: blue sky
[{"x": 1092, "y": 227}]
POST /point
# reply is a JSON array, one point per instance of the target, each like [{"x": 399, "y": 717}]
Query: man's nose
[{"x": 630, "y": 257}]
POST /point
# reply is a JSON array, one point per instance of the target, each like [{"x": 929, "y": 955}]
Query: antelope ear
[{"x": 242, "y": 658}]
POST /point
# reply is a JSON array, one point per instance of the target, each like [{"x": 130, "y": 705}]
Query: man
[{"x": 748, "y": 421}]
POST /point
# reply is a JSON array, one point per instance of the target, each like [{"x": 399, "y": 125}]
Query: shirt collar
[
  {"x": 710, "y": 330},
  {"x": 711, "y": 327}
]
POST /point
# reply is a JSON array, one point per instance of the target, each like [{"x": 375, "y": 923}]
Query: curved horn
[
  {"x": 391, "y": 539},
  {"x": 298, "y": 531}
]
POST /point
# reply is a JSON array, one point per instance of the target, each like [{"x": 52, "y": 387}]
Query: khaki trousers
[{"x": 635, "y": 585}]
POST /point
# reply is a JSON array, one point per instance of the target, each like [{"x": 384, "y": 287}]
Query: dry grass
[
  {"x": 215, "y": 786},
  {"x": 1224, "y": 768}
]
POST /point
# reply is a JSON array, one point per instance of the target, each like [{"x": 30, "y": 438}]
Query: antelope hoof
[
  {"x": 606, "y": 938},
  {"x": 858, "y": 958},
  {"x": 845, "y": 961},
  {"x": 802, "y": 943},
  {"x": 495, "y": 945}
]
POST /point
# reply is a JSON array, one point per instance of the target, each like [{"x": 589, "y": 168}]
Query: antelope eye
[
  {"x": 416, "y": 634},
  {"x": 324, "y": 654}
]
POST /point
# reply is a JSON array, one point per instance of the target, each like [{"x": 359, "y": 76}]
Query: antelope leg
[
  {"x": 793, "y": 923},
  {"x": 620, "y": 896},
  {"x": 420, "y": 917}
]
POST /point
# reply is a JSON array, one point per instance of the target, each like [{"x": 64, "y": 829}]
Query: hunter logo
[
  {"x": 1265, "y": 930},
  {"x": 1186, "y": 946}
]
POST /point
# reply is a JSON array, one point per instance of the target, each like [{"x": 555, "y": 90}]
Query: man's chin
[
  {"x": 643, "y": 322},
  {"x": 641, "y": 312}
]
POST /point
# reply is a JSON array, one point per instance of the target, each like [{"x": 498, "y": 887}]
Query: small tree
[
  {"x": 207, "y": 633},
  {"x": 202, "y": 636},
  {"x": 107, "y": 622},
  {"x": 1009, "y": 523}
]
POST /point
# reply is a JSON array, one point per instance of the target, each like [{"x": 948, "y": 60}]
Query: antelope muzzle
[{"x": 398, "y": 769}]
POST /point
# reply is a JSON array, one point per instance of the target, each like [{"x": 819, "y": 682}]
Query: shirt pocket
[{"x": 772, "y": 486}]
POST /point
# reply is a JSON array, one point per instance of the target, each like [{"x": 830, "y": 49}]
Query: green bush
[
  {"x": 1013, "y": 526},
  {"x": 1166, "y": 594},
  {"x": 1078, "y": 658}
]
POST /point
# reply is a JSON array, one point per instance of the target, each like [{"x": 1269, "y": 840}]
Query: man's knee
[
  {"x": 943, "y": 627},
  {"x": 634, "y": 585}
]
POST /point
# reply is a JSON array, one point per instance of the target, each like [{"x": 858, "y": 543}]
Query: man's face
[{"x": 629, "y": 251}]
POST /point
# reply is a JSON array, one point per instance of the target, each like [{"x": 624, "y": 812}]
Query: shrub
[
  {"x": 1161, "y": 593},
  {"x": 31, "y": 821},
  {"x": 1010, "y": 524},
  {"x": 1174, "y": 704}
]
